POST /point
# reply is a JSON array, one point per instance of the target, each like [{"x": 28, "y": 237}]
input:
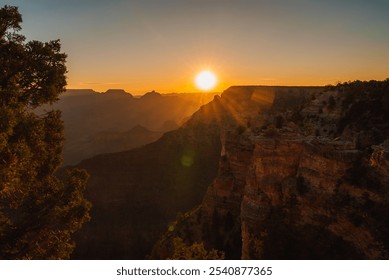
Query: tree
[{"x": 38, "y": 212}]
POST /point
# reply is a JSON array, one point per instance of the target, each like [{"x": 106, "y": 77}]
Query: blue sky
[{"x": 161, "y": 45}]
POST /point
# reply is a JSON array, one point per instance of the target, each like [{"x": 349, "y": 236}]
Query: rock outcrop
[{"x": 306, "y": 178}]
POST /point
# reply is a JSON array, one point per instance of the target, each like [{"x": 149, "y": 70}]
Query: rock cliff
[{"x": 303, "y": 174}]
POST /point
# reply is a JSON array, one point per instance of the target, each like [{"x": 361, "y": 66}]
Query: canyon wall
[{"x": 304, "y": 178}]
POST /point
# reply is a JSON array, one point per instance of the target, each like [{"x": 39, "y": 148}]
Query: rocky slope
[{"x": 306, "y": 179}]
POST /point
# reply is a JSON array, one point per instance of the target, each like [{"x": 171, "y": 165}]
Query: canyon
[{"x": 261, "y": 172}]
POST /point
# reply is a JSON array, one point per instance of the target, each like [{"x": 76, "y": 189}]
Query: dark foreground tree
[{"x": 38, "y": 212}]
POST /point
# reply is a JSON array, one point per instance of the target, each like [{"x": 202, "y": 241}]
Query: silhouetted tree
[{"x": 38, "y": 212}]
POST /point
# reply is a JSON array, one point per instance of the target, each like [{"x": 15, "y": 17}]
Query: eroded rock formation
[{"x": 303, "y": 177}]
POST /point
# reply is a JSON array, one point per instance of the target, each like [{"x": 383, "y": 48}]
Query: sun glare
[{"x": 206, "y": 80}]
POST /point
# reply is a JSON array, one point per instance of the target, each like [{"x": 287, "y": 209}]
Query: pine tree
[{"x": 39, "y": 213}]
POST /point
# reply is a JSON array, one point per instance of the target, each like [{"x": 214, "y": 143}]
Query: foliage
[
  {"x": 195, "y": 251},
  {"x": 38, "y": 212},
  {"x": 364, "y": 105}
]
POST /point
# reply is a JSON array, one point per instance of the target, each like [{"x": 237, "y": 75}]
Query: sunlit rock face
[
  {"x": 303, "y": 177},
  {"x": 303, "y": 180}
]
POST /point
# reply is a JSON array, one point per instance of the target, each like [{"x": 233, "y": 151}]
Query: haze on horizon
[{"x": 144, "y": 45}]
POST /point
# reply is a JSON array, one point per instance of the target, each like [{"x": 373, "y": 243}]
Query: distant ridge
[
  {"x": 151, "y": 94},
  {"x": 78, "y": 92},
  {"x": 118, "y": 92},
  {"x": 99, "y": 122}
]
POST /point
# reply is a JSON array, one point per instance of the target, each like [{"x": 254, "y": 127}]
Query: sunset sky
[{"x": 162, "y": 44}]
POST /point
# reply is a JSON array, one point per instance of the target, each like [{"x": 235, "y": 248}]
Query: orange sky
[{"x": 161, "y": 45}]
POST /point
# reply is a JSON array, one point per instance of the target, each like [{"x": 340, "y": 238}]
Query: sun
[{"x": 206, "y": 80}]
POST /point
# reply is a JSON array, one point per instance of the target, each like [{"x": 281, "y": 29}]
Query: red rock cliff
[{"x": 303, "y": 175}]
